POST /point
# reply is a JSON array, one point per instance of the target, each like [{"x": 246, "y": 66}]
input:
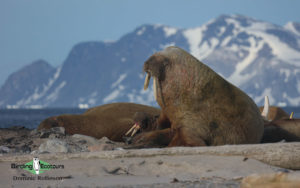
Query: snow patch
[
  {"x": 236, "y": 77},
  {"x": 279, "y": 48},
  {"x": 37, "y": 94},
  {"x": 281, "y": 104},
  {"x": 221, "y": 31},
  {"x": 266, "y": 92},
  {"x": 54, "y": 95},
  {"x": 290, "y": 26},
  {"x": 298, "y": 86},
  {"x": 12, "y": 106},
  {"x": 194, "y": 37},
  {"x": 120, "y": 79},
  {"x": 34, "y": 106},
  {"x": 169, "y": 31},
  {"x": 199, "y": 48},
  {"x": 226, "y": 41},
  {"x": 83, "y": 106},
  {"x": 89, "y": 100},
  {"x": 142, "y": 96},
  {"x": 113, "y": 95},
  {"x": 287, "y": 74},
  {"x": 236, "y": 25},
  {"x": 141, "y": 31},
  {"x": 163, "y": 46},
  {"x": 294, "y": 101}
]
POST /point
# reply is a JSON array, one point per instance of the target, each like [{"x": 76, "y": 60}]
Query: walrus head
[
  {"x": 142, "y": 121},
  {"x": 271, "y": 113},
  {"x": 155, "y": 67}
]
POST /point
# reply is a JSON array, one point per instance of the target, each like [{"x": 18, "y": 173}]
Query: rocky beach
[{"x": 91, "y": 162}]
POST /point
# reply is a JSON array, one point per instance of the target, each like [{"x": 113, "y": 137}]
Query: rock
[
  {"x": 55, "y": 132},
  {"x": 58, "y": 130},
  {"x": 34, "y": 152},
  {"x": 23, "y": 149},
  {"x": 271, "y": 181},
  {"x": 103, "y": 144},
  {"x": 100, "y": 147},
  {"x": 90, "y": 140},
  {"x": 54, "y": 146},
  {"x": 4, "y": 149}
]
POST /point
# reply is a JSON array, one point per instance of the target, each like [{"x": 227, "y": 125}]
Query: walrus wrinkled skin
[
  {"x": 110, "y": 120},
  {"x": 201, "y": 106}
]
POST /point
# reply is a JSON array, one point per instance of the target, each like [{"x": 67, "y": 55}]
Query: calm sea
[{"x": 31, "y": 118}]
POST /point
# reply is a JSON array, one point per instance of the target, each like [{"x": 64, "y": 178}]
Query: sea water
[{"x": 31, "y": 118}]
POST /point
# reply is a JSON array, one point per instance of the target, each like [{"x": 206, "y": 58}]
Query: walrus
[
  {"x": 202, "y": 108},
  {"x": 272, "y": 113},
  {"x": 110, "y": 120},
  {"x": 278, "y": 125}
]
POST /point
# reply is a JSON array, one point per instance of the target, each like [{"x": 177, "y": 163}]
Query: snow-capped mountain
[{"x": 259, "y": 57}]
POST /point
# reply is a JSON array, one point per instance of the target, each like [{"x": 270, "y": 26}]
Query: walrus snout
[{"x": 155, "y": 67}]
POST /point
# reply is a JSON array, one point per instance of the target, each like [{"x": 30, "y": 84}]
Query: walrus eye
[{"x": 147, "y": 80}]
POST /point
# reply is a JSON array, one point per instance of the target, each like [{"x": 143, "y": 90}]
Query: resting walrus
[
  {"x": 201, "y": 107},
  {"x": 278, "y": 125},
  {"x": 110, "y": 120}
]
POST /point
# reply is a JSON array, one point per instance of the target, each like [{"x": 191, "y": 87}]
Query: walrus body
[
  {"x": 202, "y": 107},
  {"x": 282, "y": 129},
  {"x": 111, "y": 120}
]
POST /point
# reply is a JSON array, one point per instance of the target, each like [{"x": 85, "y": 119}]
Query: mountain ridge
[{"x": 259, "y": 57}]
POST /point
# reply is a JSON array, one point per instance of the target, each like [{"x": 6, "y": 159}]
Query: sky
[{"x": 48, "y": 29}]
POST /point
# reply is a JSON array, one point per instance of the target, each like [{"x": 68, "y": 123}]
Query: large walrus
[
  {"x": 201, "y": 107},
  {"x": 110, "y": 120},
  {"x": 278, "y": 125}
]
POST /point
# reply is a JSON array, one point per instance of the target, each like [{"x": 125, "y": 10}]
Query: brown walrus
[
  {"x": 275, "y": 113},
  {"x": 201, "y": 107},
  {"x": 278, "y": 125},
  {"x": 110, "y": 120},
  {"x": 272, "y": 113}
]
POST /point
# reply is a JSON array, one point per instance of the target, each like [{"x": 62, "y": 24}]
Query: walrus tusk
[
  {"x": 130, "y": 130},
  {"x": 155, "y": 87},
  {"x": 266, "y": 109},
  {"x": 133, "y": 129},
  {"x": 291, "y": 116},
  {"x": 147, "y": 80}
]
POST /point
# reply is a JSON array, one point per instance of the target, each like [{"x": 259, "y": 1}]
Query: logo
[{"x": 36, "y": 166}]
